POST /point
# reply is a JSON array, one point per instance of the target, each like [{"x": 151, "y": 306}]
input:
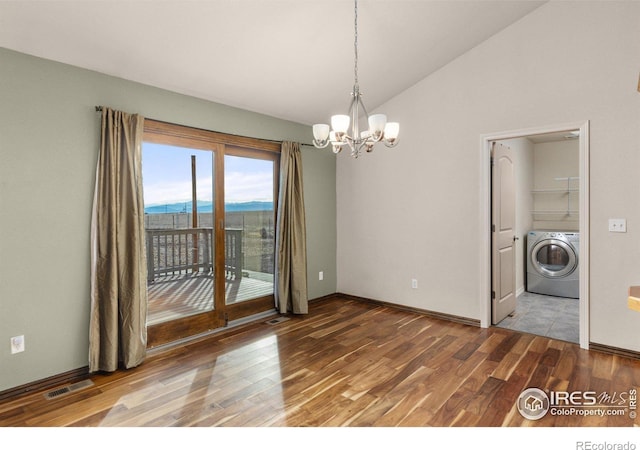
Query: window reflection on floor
[{"x": 257, "y": 364}]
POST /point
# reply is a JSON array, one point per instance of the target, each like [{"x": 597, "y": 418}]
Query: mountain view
[{"x": 206, "y": 207}]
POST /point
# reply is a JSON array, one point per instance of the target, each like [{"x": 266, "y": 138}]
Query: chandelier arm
[
  {"x": 363, "y": 145},
  {"x": 350, "y": 143}
]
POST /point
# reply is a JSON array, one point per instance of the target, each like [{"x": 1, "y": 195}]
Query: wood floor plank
[
  {"x": 467, "y": 350},
  {"x": 347, "y": 363},
  {"x": 462, "y": 398},
  {"x": 345, "y": 416},
  {"x": 504, "y": 347},
  {"x": 404, "y": 406}
]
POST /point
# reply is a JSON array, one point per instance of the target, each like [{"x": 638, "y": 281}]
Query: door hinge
[
  {"x": 493, "y": 295},
  {"x": 492, "y": 161},
  {"x": 493, "y": 228}
]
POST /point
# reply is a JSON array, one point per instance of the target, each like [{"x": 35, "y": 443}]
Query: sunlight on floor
[{"x": 199, "y": 391}]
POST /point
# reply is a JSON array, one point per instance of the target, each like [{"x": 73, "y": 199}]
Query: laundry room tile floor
[{"x": 553, "y": 317}]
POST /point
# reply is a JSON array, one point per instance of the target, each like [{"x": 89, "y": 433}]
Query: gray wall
[
  {"x": 49, "y": 138},
  {"x": 320, "y": 205}
]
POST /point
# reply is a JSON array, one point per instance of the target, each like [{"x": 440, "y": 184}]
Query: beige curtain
[
  {"x": 291, "y": 239},
  {"x": 118, "y": 334}
]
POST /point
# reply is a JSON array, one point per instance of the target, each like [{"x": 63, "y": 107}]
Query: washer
[{"x": 553, "y": 263}]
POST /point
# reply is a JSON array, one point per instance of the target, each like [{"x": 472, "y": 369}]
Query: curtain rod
[{"x": 99, "y": 109}]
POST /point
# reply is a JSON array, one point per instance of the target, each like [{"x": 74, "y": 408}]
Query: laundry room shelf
[
  {"x": 554, "y": 191},
  {"x": 557, "y": 214}
]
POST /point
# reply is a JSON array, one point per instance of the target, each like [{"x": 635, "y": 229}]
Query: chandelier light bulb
[
  {"x": 377, "y": 123},
  {"x": 321, "y": 132},
  {"x": 340, "y": 123},
  {"x": 391, "y": 131}
]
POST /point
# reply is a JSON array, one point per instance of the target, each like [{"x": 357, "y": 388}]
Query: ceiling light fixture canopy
[{"x": 339, "y": 134}]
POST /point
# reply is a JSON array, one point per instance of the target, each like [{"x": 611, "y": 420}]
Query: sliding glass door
[
  {"x": 210, "y": 229},
  {"x": 179, "y": 217},
  {"x": 250, "y": 226}
]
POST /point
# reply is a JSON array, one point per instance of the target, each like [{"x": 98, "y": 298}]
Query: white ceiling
[{"x": 291, "y": 59}]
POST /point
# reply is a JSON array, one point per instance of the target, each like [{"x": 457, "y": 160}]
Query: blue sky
[{"x": 166, "y": 172}]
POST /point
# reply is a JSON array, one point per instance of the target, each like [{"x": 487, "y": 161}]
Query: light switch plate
[{"x": 618, "y": 225}]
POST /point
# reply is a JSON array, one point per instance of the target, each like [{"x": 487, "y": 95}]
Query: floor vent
[
  {"x": 277, "y": 320},
  {"x": 59, "y": 392}
]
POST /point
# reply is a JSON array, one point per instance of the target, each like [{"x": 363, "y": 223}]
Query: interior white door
[{"x": 503, "y": 212}]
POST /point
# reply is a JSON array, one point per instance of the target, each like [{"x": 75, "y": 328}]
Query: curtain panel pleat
[
  {"x": 118, "y": 334},
  {"x": 291, "y": 239}
]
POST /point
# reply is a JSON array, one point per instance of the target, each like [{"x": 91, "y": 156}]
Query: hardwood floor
[{"x": 347, "y": 363}]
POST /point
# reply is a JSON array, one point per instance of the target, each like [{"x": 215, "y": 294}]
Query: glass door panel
[
  {"x": 179, "y": 216},
  {"x": 249, "y": 228}
]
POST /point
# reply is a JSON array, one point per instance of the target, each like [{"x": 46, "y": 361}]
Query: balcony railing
[
  {"x": 188, "y": 250},
  {"x": 233, "y": 253}
]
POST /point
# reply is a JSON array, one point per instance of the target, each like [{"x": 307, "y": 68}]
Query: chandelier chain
[{"x": 355, "y": 46}]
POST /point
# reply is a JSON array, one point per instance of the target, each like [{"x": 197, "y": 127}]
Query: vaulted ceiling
[{"x": 292, "y": 59}]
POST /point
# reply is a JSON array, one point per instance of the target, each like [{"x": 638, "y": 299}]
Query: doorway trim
[{"x": 485, "y": 218}]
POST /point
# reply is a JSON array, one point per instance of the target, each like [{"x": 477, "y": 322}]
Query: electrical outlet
[
  {"x": 17, "y": 344},
  {"x": 320, "y": 276},
  {"x": 414, "y": 284}
]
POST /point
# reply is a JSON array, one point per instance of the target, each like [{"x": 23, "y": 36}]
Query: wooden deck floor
[
  {"x": 183, "y": 295},
  {"x": 345, "y": 364}
]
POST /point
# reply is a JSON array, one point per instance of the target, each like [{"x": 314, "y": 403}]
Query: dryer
[{"x": 553, "y": 259}]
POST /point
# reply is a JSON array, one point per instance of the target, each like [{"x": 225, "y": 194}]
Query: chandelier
[{"x": 339, "y": 133}]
